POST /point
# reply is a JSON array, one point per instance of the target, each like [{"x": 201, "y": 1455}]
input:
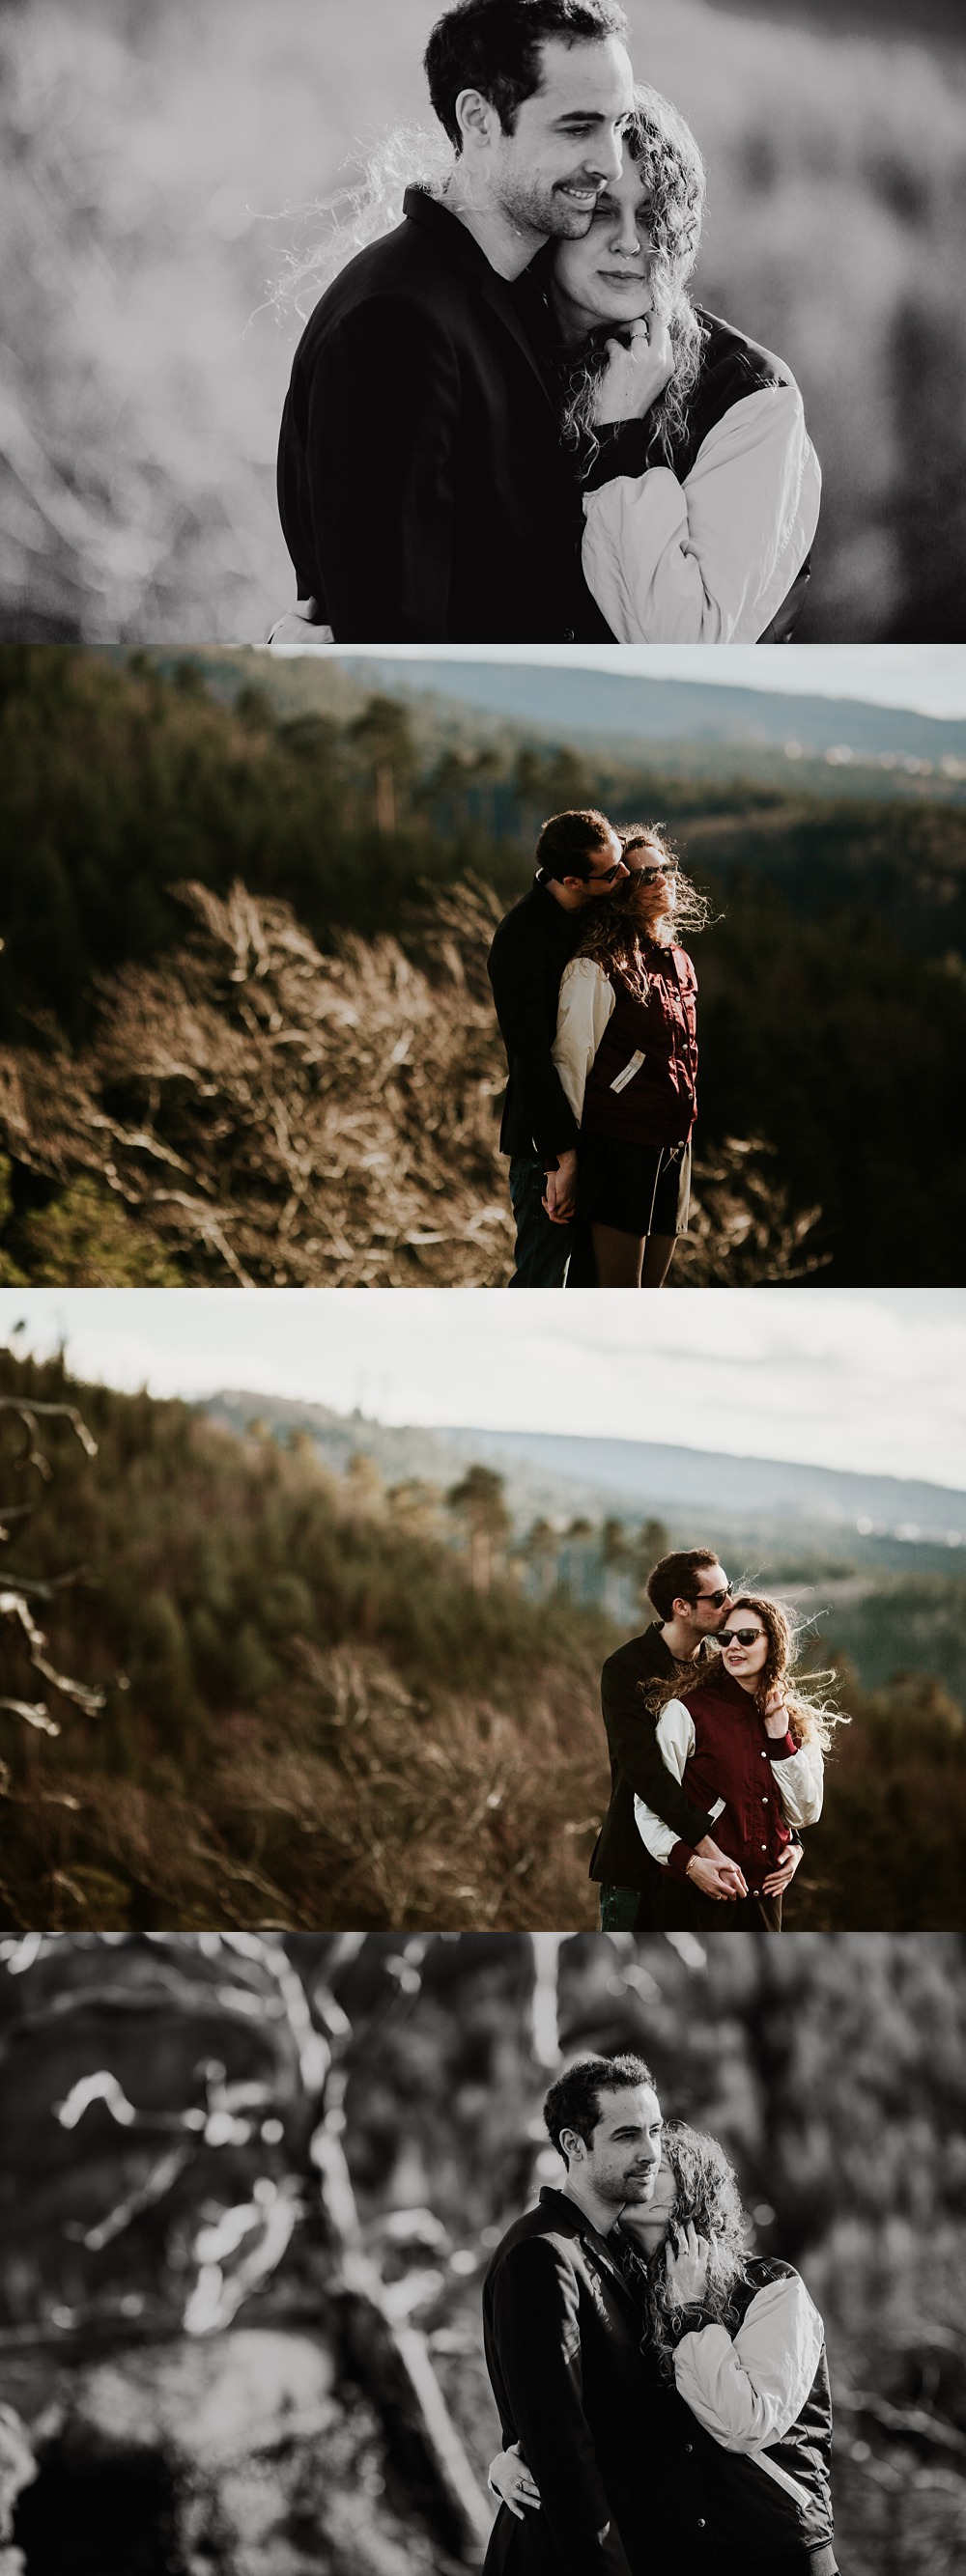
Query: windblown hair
[
  {"x": 409, "y": 156},
  {"x": 673, "y": 183},
  {"x": 706, "y": 2191},
  {"x": 812, "y": 1716},
  {"x": 574, "y": 2101},
  {"x": 494, "y": 46},
  {"x": 812, "y": 1712},
  {"x": 613, "y": 937}
]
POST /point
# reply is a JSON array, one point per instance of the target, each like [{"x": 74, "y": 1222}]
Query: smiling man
[
  {"x": 423, "y": 486},
  {"x": 575, "y": 2377}
]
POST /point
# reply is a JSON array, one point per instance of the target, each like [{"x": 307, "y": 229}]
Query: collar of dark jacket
[
  {"x": 420, "y": 208},
  {"x": 571, "y": 2219}
]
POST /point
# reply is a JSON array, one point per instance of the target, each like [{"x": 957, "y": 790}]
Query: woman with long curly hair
[
  {"x": 696, "y": 490},
  {"x": 747, "y": 1742},
  {"x": 701, "y": 489},
  {"x": 627, "y": 1055},
  {"x": 744, "y": 2345}
]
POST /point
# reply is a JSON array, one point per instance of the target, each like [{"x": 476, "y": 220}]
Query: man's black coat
[
  {"x": 620, "y": 1858},
  {"x": 423, "y": 488},
  {"x": 615, "y": 2453},
  {"x": 533, "y": 944}
]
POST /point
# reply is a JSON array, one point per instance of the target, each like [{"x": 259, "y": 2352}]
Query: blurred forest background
[
  {"x": 242, "y": 1688},
  {"x": 245, "y": 1025},
  {"x": 160, "y": 166},
  {"x": 257, "y": 2184}
]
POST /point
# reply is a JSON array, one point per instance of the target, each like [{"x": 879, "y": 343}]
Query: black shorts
[{"x": 638, "y": 1189}]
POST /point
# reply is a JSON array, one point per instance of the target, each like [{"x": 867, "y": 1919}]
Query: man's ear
[
  {"x": 475, "y": 117},
  {"x": 571, "y": 2145}
]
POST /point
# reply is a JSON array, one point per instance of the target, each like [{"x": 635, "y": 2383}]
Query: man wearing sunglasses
[
  {"x": 579, "y": 858},
  {"x": 691, "y": 1597}
]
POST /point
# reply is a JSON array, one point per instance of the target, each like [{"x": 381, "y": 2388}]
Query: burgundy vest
[
  {"x": 731, "y": 1761},
  {"x": 650, "y": 1052}
]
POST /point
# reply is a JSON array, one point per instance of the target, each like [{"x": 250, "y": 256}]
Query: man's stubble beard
[{"x": 531, "y": 208}]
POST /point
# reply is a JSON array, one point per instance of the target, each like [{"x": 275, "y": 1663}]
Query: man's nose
[{"x": 609, "y": 156}]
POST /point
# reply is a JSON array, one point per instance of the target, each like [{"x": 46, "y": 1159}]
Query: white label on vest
[{"x": 621, "y": 1080}]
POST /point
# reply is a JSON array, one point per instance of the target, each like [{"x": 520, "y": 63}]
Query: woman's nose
[{"x": 624, "y": 234}]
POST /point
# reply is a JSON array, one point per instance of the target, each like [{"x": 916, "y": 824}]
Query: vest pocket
[{"x": 628, "y": 1071}]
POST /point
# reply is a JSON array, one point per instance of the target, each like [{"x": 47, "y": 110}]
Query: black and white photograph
[
  {"x": 369, "y": 2255},
  {"x": 547, "y": 318}
]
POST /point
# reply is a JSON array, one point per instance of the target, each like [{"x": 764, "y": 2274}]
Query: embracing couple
[
  {"x": 507, "y": 420},
  {"x": 596, "y": 1002},
  {"x": 663, "y": 2394},
  {"x": 717, "y": 1751}
]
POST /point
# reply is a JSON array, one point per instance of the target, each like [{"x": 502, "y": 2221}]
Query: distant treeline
[
  {"x": 317, "y": 1711},
  {"x": 833, "y": 1012}
]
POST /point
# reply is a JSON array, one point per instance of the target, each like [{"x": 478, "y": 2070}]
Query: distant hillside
[
  {"x": 586, "y": 705},
  {"x": 689, "y": 724},
  {"x": 554, "y": 1473}
]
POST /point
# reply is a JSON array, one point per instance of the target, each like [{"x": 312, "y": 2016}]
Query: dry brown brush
[{"x": 263, "y": 1113}]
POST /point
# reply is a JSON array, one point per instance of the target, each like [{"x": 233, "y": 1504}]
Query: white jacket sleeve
[
  {"x": 800, "y": 1782},
  {"x": 675, "y": 1735},
  {"x": 749, "y": 2390},
  {"x": 584, "y": 1008},
  {"x": 711, "y": 559}
]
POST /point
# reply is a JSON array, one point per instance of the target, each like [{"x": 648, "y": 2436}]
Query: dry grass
[{"x": 266, "y": 1114}]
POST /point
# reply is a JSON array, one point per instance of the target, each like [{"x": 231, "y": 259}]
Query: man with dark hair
[
  {"x": 578, "y": 860},
  {"x": 691, "y": 1597},
  {"x": 424, "y": 490},
  {"x": 607, "y": 2440}
]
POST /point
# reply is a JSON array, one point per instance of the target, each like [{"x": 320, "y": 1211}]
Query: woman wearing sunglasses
[
  {"x": 747, "y": 1744},
  {"x": 627, "y": 1055},
  {"x": 741, "y": 2340}
]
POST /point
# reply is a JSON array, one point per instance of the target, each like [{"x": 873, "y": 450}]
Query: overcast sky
[
  {"x": 870, "y": 1379},
  {"x": 930, "y": 677}
]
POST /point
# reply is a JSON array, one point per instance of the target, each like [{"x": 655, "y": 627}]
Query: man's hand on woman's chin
[{"x": 560, "y": 1198}]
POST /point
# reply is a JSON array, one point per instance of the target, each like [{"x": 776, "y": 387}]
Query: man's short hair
[
  {"x": 495, "y": 45},
  {"x": 568, "y": 842},
  {"x": 574, "y": 2101},
  {"x": 673, "y": 1579}
]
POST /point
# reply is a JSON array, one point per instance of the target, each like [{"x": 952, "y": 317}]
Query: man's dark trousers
[{"x": 542, "y": 1249}]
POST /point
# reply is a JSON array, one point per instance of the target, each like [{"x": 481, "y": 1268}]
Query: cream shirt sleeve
[
  {"x": 708, "y": 560},
  {"x": 748, "y": 2389},
  {"x": 584, "y": 1008},
  {"x": 675, "y": 1735},
  {"x": 800, "y": 1782}
]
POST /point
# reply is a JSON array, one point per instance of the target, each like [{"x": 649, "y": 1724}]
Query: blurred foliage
[
  {"x": 326, "y": 1701},
  {"x": 833, "y": 996},
  {"x": 157, "y": 169}
]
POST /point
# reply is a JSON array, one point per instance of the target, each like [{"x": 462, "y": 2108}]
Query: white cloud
[{"x": 856, "y": 1378}]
